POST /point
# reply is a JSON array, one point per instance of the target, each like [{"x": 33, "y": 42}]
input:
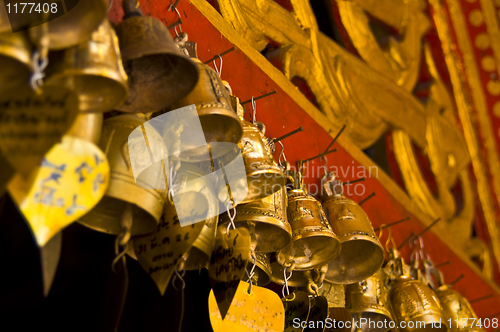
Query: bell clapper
[
  {"x": 122, "y": 239},
  {"x": 180, "y": 271},
  {"x": 40, "y": 37}
]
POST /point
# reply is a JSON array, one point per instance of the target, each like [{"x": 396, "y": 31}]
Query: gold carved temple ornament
[{"x": 369, "y": 96}]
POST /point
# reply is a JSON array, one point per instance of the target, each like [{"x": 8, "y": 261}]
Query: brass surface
[
  {"x": 93, "y": 69},
  {"x": 413, "y": 301},
  {"x": 262, "y": 269},
  {"x": 264, "y": 176},
  {"x": 268, "y": 220},
  {"x": 368, "y": 299},
  {"x": 361, "y": 254},
  {"x": 218, "y": 120},
  {"x": 147, "y": 204},
  {"x": 240, "y": 18},
  {"x": 457, "y": 310},
  {"x": 159, "y": 73},
  {"x": 87, "y": 127},
  {"x": 313, "y": 241},
  {"x": 193, "y": 182},
  {"x": 334, "y": 293},
  {"x": 15, "y": 59},
  {"x": 76, "y": 25}
]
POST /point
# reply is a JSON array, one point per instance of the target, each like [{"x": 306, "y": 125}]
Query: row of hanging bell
[{"x": 263, "y": 209}]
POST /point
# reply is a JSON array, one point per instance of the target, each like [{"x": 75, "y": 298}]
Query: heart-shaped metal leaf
[
  {"x": 71, "y": 180},
  {"x": 160, "y": 252},
  {"x": 30, "y": 124},
  {"x": 227, "y": 265},
  {"x": 259, "y": 310}
]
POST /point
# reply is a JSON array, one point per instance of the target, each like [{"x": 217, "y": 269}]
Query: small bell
[
  {"x": 362, "y": 253},
  {"x": 93, "y": 69},
  {"x": 267, "y": 220},
  {"x": 197, "y": 188},
  {"x": 218, "y": 120},
  {"x": 334, "y": 293},
  {"x": 147, "y": 203},
  {"x": 457, "y": 308},
  {"x": 78, "y": 20},
  {"x": 313, "y": 241},
  {"x": 159, "y": 73},
  {"x": 367, "y": 300},
  {"x": 262, "y": 269},
  {"x": 87, "y": 126},
  {"x": 294, "y": 278},
  {"x": 264, "y": 176},
  {"x": 15, "y": 59},
  {"x": 411, "y": 301}
]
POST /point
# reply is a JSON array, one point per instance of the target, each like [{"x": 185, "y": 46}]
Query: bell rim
[
  {"x": 109, "y": 77},
  {"x": 307, "y": 266}
]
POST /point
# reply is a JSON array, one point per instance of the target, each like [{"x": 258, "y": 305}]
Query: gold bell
[
  {"x": 367, "y": 300},
  {"x": 297, "y": 278},
  {"x": 313, "y": 241},
  {"x": 334, "y": 293},
  {"x": 15, "y": 59},
  {"x": 261, "y": 266},
  {"x": 362, "y": 253},
  {"x": 416, "y": 305},
  {"x": 267, "y": 221},
  {"x": 193, "y": 180},
  {"x": 93, "y": 69},
  {"x": 146, "y": 202},
  {"x": 264, "y": 176},
  {"x": 77, "y": 22},
  {"x": 218, "y": 120},
  {"x": 87, "y": 126},
  {"x": 159, "y": 72},
  {"x": 457, "y": 308}
]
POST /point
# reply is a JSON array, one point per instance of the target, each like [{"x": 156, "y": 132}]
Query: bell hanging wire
[
  {"x": 220, "y": 55},
  {"x": 391, "y": 224},
  {"x": 420, "y": 234},
  {"x": 251, "y": 274},
  {"x": 180, "y": 275}
]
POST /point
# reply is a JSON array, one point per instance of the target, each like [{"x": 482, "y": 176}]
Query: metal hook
[
  {"x": 231, "y": 217},
  {"x": 366, "y": 199},
  {"x": 180, "y": 276},
  {"x": 177, "y": 23},
  {"x": 251, "y": 274},
  {"x": 254, "y": 110},
  {"x": 391, "y": 224},
  {"x": 285, "y": 285},
  {"x": 282, "y": 153},
  {"x": 218, "y": 70}
]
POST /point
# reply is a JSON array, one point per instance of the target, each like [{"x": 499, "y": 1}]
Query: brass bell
[
  {"x": 93, "y": 69},
  {"x": 313, "y": 241},
  {"x": 15, "y": 59},
  {"x": 334, "y": 293},
  {"x": 416, "y": 305},
  {"x": 87, "y": 126},
  {"x": 71, "y": 22},
  {"x": 267, "y": 221},
  {"x": 367, "y": 300},
  {"x": 218, "y": 120},
  {"x": 159, "y": 72},
  {"x": 297, "y": 278},
  {"x": 146, "y": 202},
  {"x": 193, "y": 182},
  {"x": 362, "y": 253},
  {"x": 457, "y": 308},
  {"x": 264, "y": 176},
  {"x": 76, "y": 24},
  {"x": 261, "y": 269}
]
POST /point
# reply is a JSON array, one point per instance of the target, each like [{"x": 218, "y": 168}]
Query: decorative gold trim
[
  {"x": 464, "y": 105},
  {"x": 489, "y": 12},
  {"x": 397, "y": 193}
]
